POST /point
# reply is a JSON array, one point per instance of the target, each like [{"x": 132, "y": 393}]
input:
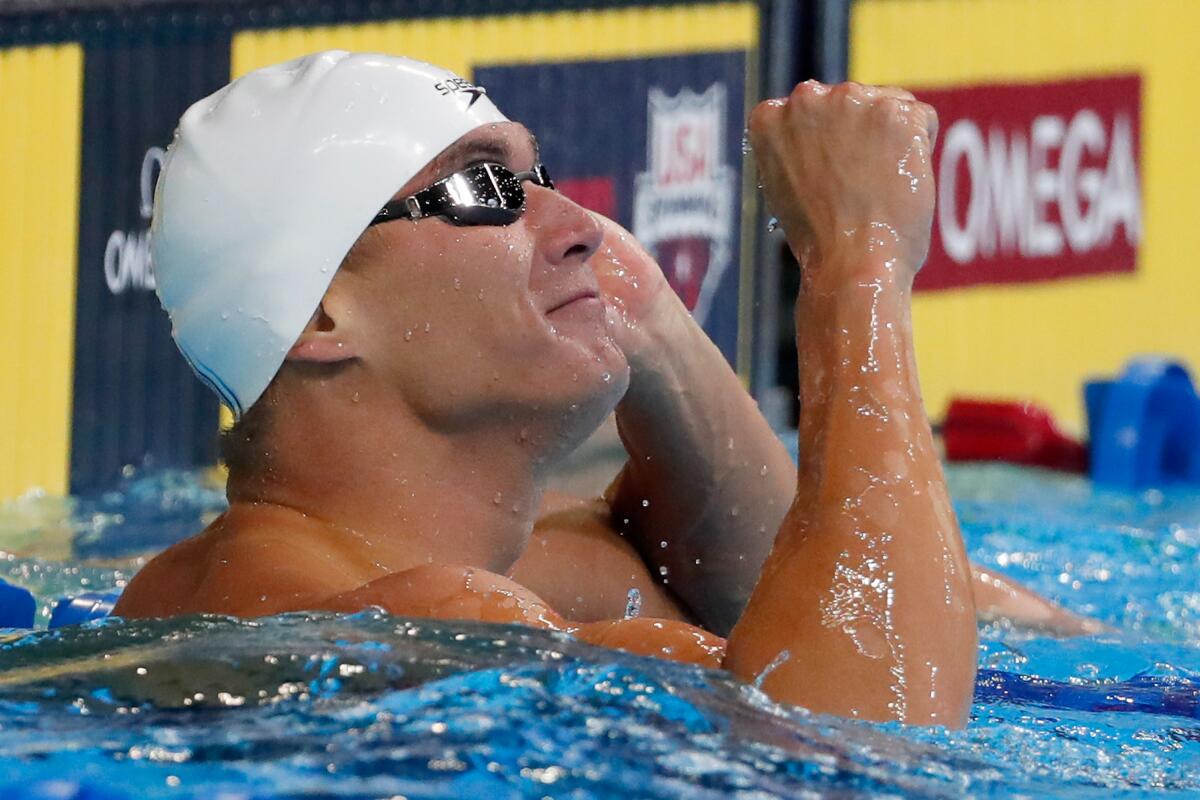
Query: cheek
[{"x": 478, "y": 293}]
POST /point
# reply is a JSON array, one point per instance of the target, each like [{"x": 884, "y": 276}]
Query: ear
[{"x": 323, "y": 339}]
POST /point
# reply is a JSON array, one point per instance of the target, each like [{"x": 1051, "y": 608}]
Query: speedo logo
[{"x": 460, "y": 86}]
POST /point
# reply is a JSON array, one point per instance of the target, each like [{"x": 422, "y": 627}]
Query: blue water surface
[{"x": 376, "y": 706}]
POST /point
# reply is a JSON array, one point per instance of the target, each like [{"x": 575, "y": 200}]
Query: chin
[{"x": 581, "y": 406}]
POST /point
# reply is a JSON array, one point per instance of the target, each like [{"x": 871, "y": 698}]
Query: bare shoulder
[
  {"x": 161, "y": 587},
  {"x": 441, "y": 591},
  {"x": 580, "y": 564},
  {"x": 230, "y": 568},
  {"x": 449, "y": 591}
]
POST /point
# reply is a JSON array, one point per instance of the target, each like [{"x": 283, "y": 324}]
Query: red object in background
[
  {"x": 594, "y": 194},
  {"x": 1019, "y": 433}
]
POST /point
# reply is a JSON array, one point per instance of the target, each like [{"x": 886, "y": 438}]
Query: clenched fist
[
  {"x": 848, "y": 165},
  {"x": 641, "y": 304}
]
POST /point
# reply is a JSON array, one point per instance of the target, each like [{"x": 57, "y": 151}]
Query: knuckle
[
  {"x": 809, "y": 89},
  {"x": 890, "y": 107},
  {"x": 898, "y": 92},
  {"x": 846, "y": 89},
  {"x": 763, "y": 114}
]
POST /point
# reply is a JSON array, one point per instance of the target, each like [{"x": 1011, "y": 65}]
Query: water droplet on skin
[
  {"x": 663, "y": 544},
  {"x": 645, "y": 504},
  {"x": 772, "y": 224},
  {"x": 496, "y": 500},
  {"x": 763, "y": 471},
  {"x": 428, "y": 326},
  {"x": 479, "y": 296},
  {"x": 775, "y": 664},
  {"x": 606, "y": 377},
  {"x": 408, "y": 335},
  {"x": 457, "y": 284},
  {"x": 662, "y": 571},
  {"x": 354, "y": 399},
  {"x": 633, "y": 603},
  {"x": 733, "y": 512}
]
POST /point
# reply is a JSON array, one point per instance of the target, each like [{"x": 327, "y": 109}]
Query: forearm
[
  {"x": 869, "y": 562},
  {"x": 707, "y": 476},
  {"x": 998, "y": 597}
]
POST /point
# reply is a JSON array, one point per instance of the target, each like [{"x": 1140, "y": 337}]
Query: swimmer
[{"x": 369, "y": 264}]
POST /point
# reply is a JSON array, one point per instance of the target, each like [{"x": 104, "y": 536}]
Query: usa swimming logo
[{"x": 684, "y": 203}]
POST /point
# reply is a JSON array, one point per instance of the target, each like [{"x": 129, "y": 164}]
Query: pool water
[{"x": 376, "y": 706}]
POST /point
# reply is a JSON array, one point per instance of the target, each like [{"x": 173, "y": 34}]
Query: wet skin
[{"x": 449, "y": 369}]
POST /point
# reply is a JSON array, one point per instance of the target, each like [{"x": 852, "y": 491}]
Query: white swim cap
[{"x": 268, "y": 184}]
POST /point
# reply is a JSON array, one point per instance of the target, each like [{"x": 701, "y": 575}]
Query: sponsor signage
[
  {"x": 135, "y": 399},
  {"x": 654, "y": 143},
  {"x": 1036, "y": 181}
]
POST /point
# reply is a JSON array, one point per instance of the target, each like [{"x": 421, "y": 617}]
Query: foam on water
[{"x": 370, "y": 705}]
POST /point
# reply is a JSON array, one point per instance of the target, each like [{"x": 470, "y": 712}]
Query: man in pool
[{"x": 365, "y": 259}]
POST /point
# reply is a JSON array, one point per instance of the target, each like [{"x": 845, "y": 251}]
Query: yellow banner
[
  {"x": 1041, "y": 341},
  {"x": 460, "y": 43},
  {"x": 41, "y": 95}
]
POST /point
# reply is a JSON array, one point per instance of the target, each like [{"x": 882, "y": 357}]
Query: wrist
[
  {"x": 871, "y": 255},
  {"x": 654, "y": 337},
  {"x": 670, "y": 345}
]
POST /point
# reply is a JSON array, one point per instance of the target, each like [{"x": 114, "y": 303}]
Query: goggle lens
[{"x": 482, "y": 194}]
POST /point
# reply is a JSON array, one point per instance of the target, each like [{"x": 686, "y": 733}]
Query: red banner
[{"x": 1035, "y": 181}]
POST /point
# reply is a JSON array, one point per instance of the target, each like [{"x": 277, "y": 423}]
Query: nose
[{"x": 566, "y": 231}]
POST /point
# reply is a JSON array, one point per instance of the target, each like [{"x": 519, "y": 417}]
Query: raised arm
[
  {"x": 708, "y": 482},
  {"x": 867, "y": 588},
  {"x": 707, "y": 476}
]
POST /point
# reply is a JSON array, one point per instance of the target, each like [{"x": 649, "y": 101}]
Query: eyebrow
[
  {"x": 460, "y": 154},
  {"x": 466, "y": 153}
]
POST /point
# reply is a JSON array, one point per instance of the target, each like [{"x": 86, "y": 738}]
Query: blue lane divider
[
  {"x": 81, "y": 608},
  {"x": 17, "y": 606},
  {"x": 1144, "y": 426}
]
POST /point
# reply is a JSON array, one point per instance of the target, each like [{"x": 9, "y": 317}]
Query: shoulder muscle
[{"x": 583, "y": 567}]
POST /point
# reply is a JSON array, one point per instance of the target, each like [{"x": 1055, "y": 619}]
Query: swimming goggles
[{"x": 482, "y": 194}]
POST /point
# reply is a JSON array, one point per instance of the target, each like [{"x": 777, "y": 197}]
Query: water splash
[
  {"x": 328, "y": 705},
  {"x": 633, "y": 603},
  {"x": 780, "y": 659}
]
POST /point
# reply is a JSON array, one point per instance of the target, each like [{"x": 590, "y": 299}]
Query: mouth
[{"x": 579, "y": 296}]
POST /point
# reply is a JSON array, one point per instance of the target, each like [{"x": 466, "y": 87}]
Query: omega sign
[
  {"x": 1035, "y": 181},
  {"x": 127, "y": 254}
]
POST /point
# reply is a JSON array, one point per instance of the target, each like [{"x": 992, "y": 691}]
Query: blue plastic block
[
  {"x": 17, "y": 606},
  {"x": 81, "y": 608},
  {"x": 1145, "y": 426}
]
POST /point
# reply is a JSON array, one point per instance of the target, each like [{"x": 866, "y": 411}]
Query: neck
[{"x": 409, "y": 495}]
